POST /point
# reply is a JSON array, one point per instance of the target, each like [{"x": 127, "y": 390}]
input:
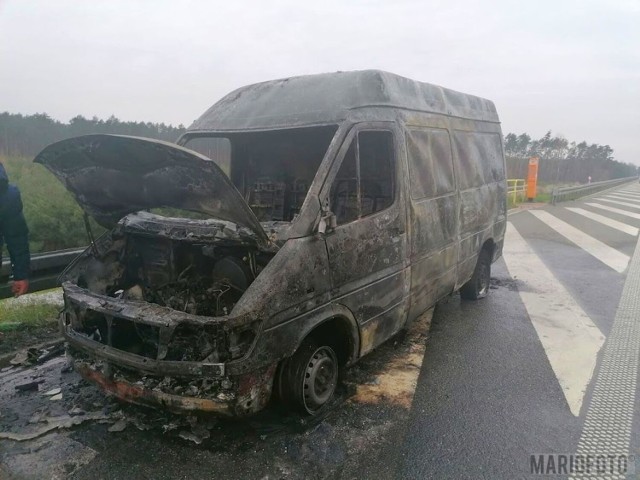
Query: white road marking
[
  {"x": 615, "y": 210},
  {"x": 623, "y": 227},
  {"x": 603, "y": 252},
  {"x": 627, "y": 192},
  {"x": 609, "y": 418},
  {"x": 634, "y": 200},
  {"x": 618, "y": 202},
  {"x": 569, "y": 337},
  {"x": 632, "y": 196}
]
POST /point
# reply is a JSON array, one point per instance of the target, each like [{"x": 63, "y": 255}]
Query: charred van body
[{"x": 331, "y": 211}]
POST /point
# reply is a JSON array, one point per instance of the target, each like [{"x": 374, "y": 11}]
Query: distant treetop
[{"x": 26, "y": 135}]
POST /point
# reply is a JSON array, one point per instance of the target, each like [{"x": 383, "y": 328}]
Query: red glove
[{"x": 20, "y": 287}]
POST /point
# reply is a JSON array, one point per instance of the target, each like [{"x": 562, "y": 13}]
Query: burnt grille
[
  {"x": 126, "y": 335},
  {"x": 198, "y": 343}
]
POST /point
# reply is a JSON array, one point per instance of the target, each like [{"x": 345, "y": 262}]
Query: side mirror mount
[{"x": 327, "y": 223}]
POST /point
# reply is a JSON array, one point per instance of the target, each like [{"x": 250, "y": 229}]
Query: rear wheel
[
  {"x": 478, "y": 286},
  {"x": 309, "y": 378}
]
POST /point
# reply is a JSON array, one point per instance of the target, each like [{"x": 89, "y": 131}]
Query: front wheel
[
  {"x": 309, "y": 378},
  {"x": 478, "y": 286}
]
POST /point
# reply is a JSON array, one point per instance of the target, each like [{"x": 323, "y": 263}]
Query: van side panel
[
  {"x": 433, "y": 210},
  {"x": 433, "y": 252},
  {"x": 479, "y": 163}
]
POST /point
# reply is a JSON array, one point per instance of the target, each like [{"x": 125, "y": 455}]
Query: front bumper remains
[
  {"x": 244, "y": 395},
  {"x": 176, "y": 385}
]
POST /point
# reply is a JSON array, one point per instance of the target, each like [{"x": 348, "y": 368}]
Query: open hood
[{"x": 114, "y": 175}]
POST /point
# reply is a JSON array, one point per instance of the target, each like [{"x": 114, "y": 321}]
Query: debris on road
[
  {"x": 196, "y": 435},
  {"x": 27, "y": 386},
  {"x": 52, "y": 392},
  {"x": 76, "y": 411},
  {"x": 51, "y": 352},
  {"x": 119, "y": 426},
  {"x": 39, "y": 417},
  {"x": 54, "y": 423},
  {"x": 21, "y": 358},
  {"x": 38, "y": 354},
  {"x": 168, "y": 427},
  {"x": 67, "y": 368}
]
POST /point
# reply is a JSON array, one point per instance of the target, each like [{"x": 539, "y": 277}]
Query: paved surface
[
  {"x": 515, "y": 375},
  {"x": 547, "y": 364}
]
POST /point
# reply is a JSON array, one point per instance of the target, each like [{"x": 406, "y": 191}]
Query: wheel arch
[
  {"x": 489, "y": 245},
  {"x": 339, "y": 319}
]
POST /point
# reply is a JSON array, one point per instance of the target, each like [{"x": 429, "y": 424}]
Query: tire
[
  {"x": 478, "y": 286},
  {"x": 308, "y": 380}
]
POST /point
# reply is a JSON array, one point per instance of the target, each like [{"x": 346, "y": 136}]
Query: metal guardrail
[
  {"x": 572, "y": 193},
  {"x": 516, "y": 187},
  {"x": 45, "y": 268}
]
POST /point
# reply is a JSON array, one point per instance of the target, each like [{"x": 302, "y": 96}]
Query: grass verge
[
  {"x": 23, "y": 324},
  {"x": 28, "y": 315}
]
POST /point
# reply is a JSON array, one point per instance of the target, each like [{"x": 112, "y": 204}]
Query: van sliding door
[{"x": 433, "y": 207}]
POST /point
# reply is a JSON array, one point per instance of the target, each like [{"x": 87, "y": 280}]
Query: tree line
[
  {"x": 54, "y": 218},
  {"x": 562, "y": 161},
  {"x": 26, "y": 135}
]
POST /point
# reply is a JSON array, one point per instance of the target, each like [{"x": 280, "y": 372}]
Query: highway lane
[{"x": 516, "y": 376}]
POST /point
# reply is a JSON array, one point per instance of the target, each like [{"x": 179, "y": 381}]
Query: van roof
[{"x": 328, "y": 97}]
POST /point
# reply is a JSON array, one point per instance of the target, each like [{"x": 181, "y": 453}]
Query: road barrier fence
[
  {"x": 45, "y": 268},
  {"x": 516, "y": 189},
  {"x": 573, "y": 193}
]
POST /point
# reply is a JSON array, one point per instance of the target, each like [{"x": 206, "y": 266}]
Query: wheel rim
[{"x": 320, "y": 378}]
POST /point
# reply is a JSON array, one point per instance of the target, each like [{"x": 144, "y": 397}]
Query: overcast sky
[{"x": 572, "y": 67}]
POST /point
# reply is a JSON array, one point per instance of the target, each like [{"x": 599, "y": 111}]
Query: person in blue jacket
[{"x": 14, "y": 232}]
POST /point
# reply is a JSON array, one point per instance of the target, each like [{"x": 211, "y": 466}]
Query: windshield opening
[{"x": 272, "y": 170}]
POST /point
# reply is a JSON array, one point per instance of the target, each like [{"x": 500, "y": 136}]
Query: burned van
[{"x": 295, "y": 226}]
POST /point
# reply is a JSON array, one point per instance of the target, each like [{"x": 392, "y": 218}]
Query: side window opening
[
  {"x": 217, "y": 149},
  {"x": 479, "y": 158},
  {"x": 274, "y": 170},
  {"x": 365, "y": 182}
]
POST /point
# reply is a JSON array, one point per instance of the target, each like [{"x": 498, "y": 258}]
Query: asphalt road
[
  {"x": 494, "y": 390},
  {"x": 547, "y": 364}
]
